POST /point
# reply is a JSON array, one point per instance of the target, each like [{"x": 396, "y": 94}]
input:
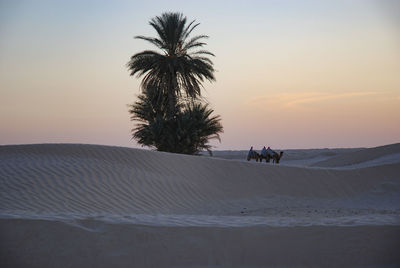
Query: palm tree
[
  {"x": 182, "y": 65},
  {"x": 196, "y": 127},
  {"x": 188, "y": 132}
]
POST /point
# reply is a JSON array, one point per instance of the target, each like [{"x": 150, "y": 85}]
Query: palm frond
[
  {"x": 189, "y": 30},
  {"x": 155, "y": 41},
  {"x": 194, "y": 40},
  {"x": 199, "y": 52}
]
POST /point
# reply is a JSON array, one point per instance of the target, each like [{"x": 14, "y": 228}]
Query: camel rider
[
  {"x": 270, "y": 151},
  {"x": 264, "y": 152},
  {"x": 250, "y": 153}
]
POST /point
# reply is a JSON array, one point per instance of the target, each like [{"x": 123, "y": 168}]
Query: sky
[{"x": 289, "y": 74}]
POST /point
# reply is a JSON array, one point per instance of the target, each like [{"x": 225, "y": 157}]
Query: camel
[
  {"x": 269, "y": 154},
  {"x": 253, "y": 155},
  {"x": 276, "y": 157}
]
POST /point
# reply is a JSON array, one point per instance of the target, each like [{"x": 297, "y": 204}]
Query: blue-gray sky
[{"x": 290, "y": 74}]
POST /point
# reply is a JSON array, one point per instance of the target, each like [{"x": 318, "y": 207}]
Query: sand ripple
[{"x": 72, "y": 181}]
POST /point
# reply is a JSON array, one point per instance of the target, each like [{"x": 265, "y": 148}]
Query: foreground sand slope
[
  {"x": 71, "y": 205},
  {"x": 35, "y": 243},
  {"x": 89, "y": 179}
]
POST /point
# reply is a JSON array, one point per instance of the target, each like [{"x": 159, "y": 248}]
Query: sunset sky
[{"x": 290, "y": 74}]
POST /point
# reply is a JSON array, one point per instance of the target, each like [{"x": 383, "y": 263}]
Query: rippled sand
[{"x": 96, "y": 205}]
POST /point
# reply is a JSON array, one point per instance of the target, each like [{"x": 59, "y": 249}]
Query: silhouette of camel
[
  {"x": 253, "y": 155},
  {"x": 276, "y": 157},
  {"x": 269, "y": 154}
]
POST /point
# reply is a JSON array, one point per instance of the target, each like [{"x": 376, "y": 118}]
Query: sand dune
[
  {"x": 104, "y": 181},
  {"x": 340, "y": 158},
  {"x": 364, "y": 157},
  {"x": 291, "y": 157},
  {"x": 102, "y": 190}
]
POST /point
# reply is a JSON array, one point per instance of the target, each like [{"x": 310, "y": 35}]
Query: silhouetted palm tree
[
  {"x": 181, "y": 66},
  {"x": 188, "y": 132},
  {"x": 196, "y": 127}
]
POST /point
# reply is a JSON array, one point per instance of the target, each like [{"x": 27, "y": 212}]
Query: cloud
[
  {"x": 291, "y": 100},
  {"x": 324, "y": 97}
]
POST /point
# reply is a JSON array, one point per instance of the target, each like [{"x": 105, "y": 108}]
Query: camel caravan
[{"x": 266, "y": 153}]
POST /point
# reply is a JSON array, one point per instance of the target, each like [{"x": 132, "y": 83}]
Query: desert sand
[{"x": 75, "y": 205}]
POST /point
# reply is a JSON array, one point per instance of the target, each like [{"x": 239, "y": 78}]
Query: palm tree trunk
[
  {"x": 171, "y": 105},
  {"x": 172, "y": 97}
]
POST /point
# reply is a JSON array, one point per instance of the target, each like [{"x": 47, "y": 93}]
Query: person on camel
[
  {"x": 270, "y": 151},
  {"x": 253, "y": 155},
  {"x": 264, "y": 152},
  {"x": 269, "y": 154}
]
